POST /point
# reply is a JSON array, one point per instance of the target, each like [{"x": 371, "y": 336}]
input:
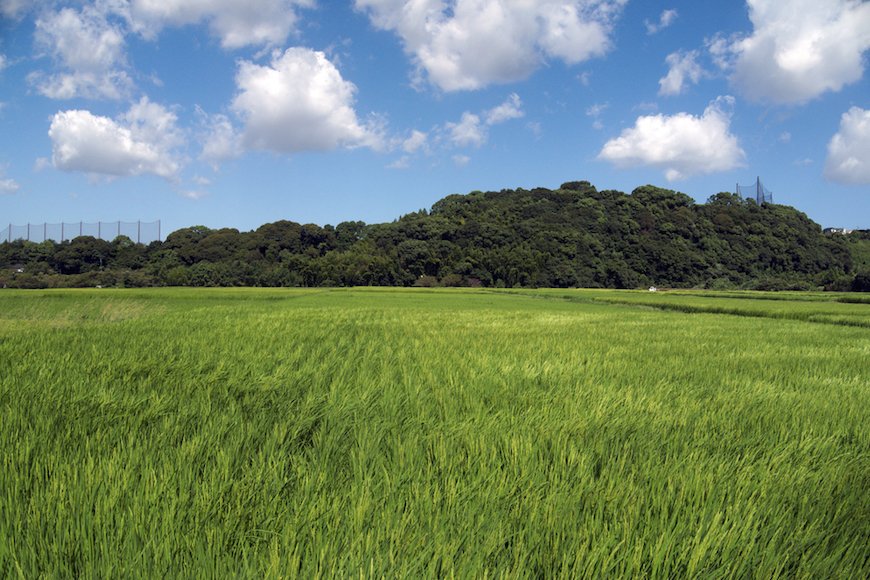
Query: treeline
[{"x": 572, "y": 236}]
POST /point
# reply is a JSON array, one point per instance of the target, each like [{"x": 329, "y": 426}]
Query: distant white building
[{"x": 840, "y": 231}]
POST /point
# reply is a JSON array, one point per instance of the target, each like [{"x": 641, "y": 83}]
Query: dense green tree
[
  {"x": 185, "y": 242},
  {"x": 572, "y": 236},
  {"x": 82, "y": 254}
]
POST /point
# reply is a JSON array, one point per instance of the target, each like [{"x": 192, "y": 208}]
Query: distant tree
[
  {"x": 348, "y": 233},
  {"x": 185, "y": 242},
  {"x": 82, "y": 254},
  {"x": 572, "y": 236},
  {"x": 861, "y": 283},
  {"x": 127, "y": 254}
]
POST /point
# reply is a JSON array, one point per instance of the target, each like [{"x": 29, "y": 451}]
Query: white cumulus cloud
[
  {"x": 144, "y": 140},
  {"x": 683, "y": 69},
  {"x": 799, "y": 49},
  {"x": 512, "y": 108},
  {"x": 237, "y": 23},
  {"x": 468, "y": 131},
  {"x": 299, "y": 102},
  {"x": 849, "y": 150},
  {"x": 15, "y": 8},
  {"x": 682, "y": 145},
  {"x": 8, "y": 185},
  {"x": 472, "y": 129},
  {"x": 469, "y": 44},
  {"x": 220, "y": 139},
  {"x": 89, "y": 51},
  {"x": 666, "y": 18},
  {"x": 417, "y": 140},
  {"x": 88, "y": 47}
]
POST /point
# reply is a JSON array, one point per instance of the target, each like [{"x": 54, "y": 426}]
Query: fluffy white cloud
[
  {"x": 3, "y": 61},
  {"x": 8, "y": 185},
  {"x": 299, "y": 102},
  {"x": 236, "y": 22},
  {"x": 416, "y": 141},
  {"x": 682, "y": 144},
  {"x": 144, "y": 140},
  {"x": 468, "y": 131},
  {"x": 510, "y": 109},
  {"x": 220, "y": 140},
  {"x": 666, "y": 18},
  {"x": 469, "y": 44},
  {"x": 849, "y": 150},
  {"x": 471, "y": 130},
  {"x": 90, "y": 51},
  {"x": 683, "y": 69},
  {"x": 799, "y": 49},
  {"x": 14, "y": 8},
  {"x": 88, "y": 44}
]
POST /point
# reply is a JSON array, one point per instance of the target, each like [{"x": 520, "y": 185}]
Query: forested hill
[{"x": 572, "y": 236}]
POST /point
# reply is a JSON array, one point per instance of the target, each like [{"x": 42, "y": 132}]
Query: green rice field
[{"x": 289, "y": 433}]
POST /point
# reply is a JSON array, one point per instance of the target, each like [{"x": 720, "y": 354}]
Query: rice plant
[{"x": 404, "y": 432}]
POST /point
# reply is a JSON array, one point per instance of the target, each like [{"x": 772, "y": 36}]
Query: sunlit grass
[{"x": 430, "y": 433}]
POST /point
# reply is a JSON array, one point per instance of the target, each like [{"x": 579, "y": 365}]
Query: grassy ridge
[{"x": 398, "y": 432}]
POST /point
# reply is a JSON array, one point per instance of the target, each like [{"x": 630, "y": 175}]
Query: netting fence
[
  {"x": 140, "y": 232},
  {"x": 755, "y": 191}
]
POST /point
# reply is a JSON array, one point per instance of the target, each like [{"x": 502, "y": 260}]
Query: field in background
[{"x": 395, "y": 432}]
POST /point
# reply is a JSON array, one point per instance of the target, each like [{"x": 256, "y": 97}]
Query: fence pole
[
  {"x": 44, "y": 231},
  {"x": 28, "y": 231},
  {"x": 99, "y": 230},
  {"x": 80, "y": 229},
  {"x": 61, "y": 232},
  {"x": 9, "y": 233},
  {"x": 158, "y": 231},
  {"x": 138, "y": 231}
]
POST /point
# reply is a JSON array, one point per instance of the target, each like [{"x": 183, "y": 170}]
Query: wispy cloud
[{"x": 666, "y": 18}]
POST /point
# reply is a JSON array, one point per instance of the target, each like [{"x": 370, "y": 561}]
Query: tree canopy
[{"x": 571, "y": 236}]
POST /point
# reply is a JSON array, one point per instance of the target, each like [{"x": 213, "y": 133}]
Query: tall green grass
[{"x": 428, "y": 433}]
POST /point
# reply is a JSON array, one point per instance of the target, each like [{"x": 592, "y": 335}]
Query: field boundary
[{"x": 695, "y": 309}]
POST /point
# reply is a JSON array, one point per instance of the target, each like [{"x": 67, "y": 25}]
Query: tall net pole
[{"x": 141, "y": 232}]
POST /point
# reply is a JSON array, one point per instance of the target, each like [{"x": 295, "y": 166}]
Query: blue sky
[{"x": 234, "y": 114}]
